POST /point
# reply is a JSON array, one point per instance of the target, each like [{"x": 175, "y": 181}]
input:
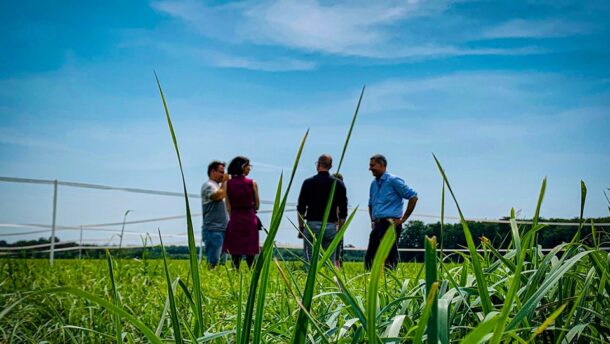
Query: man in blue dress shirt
[{"x": 385, "y": 207}]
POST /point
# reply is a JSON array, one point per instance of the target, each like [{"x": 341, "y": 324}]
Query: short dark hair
[
  {"x": 237, "y": 165},
  {"x": 380, "y": 159},
  {"x": 325, "y": 161},
  {"x": 213, "y": 166}
]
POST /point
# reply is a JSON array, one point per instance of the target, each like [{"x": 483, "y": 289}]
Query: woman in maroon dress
[{"x": 241, "y": 237}]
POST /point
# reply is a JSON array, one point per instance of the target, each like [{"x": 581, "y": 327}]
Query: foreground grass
[{"x": 142, "y": 291}]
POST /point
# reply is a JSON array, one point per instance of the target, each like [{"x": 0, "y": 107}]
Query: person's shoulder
[
  {"x": 310, "y": 179},
  {"x": 394, "y": 177}
]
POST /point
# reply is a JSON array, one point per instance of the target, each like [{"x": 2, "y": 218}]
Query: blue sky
[{"x": 504, "y": 93}]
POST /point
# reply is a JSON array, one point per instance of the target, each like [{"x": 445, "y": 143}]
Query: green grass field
[{"x": 142, "y": 291}]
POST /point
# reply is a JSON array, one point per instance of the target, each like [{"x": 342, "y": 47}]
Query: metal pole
[
  {"x": 80, "y": 243},
  {"x": 52, "y": 253}
]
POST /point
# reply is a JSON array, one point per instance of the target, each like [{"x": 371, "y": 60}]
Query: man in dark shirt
[{"x": 312, "y": 204}]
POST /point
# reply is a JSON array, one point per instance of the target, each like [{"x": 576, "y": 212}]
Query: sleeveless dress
[{"x": 241, "y": 237}]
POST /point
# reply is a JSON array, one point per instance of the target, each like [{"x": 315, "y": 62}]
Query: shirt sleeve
[
  {"x": 207, "y": 191},
  {"x": 402, "y": 188}
]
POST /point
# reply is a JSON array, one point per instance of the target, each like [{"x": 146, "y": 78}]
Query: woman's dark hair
[{"x": 237, "y": 165}]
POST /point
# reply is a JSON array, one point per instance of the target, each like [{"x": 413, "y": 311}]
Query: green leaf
[
  {"x": 421, "y": 325},
  {"x": 300, "y": 332},
  {"x": 135, "y": 322},
  {"x": 431, "y": 279},
  {"x": 170, "y": 296},
  {"x": 478, "y": 334},
  {"x": 547, "y": 322},
  {"x": 544, "y": 288},
  {"x": 259, "y": 266},
  {"x": 387, "y": 242},
  {"x": 194, "y": 263},
  {"x": 478, "y": 271},
  {"x": 115, "y": 299}
]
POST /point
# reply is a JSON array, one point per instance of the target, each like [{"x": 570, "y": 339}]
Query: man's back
[{"x": 314, "y": 197}]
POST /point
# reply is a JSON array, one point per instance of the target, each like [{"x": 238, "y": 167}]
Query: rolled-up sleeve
[{"x": 402, "y": 188}]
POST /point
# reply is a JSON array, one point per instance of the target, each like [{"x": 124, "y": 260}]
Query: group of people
[{"x": 230, "y": 202}]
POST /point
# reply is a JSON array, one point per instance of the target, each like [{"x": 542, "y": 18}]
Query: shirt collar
[
  {"x": 383, "y": 177},
  {"x": 213, "y": 182}
]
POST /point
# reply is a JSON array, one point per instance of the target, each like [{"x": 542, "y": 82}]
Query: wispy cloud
[
  {"x": 271, "y": 65},
  {"x": 520, "y": 28},
  {"x": 358, "y": 29}
]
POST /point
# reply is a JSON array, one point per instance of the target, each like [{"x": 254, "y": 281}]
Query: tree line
[{"x": 412, "y": 236}]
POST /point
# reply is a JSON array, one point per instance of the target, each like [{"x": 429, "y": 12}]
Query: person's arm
[
  {"x": 221, "y": 193},
  {"x": 407, "y": 193},
  {"x": 225, "y": 185},
  {"x": 257, "y": 201},
  {"x": 410, "y": 208}
]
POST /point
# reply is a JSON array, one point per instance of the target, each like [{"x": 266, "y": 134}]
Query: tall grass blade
[
  {"x": 258, "y": 270},
  {"x": 192, "y": 243},
  {"x": 552, "y": 279},
  {"x": 478, "y": 334},
  {"x": 170, "y": 296},
  {"x": 115, "y": 299},
  {"x": 300, "y": 332},
  {"x": 444, "y": 325},
  {"x": 442, "y": 240},
  {"x": 421, "y": 325},
  {"x": 333, "y": 245},
  {"x": 431, "y": 278},
  {"x": 547, "y": 322},
  {"x": 583, "y": 197},
  {"x": 387, "y": 242},
  {"x": 135, "y": 322},
  {"x": 514, "y": 286},
  {"x": 476, "y": 264},
  {"x": 539, "y": 203}
]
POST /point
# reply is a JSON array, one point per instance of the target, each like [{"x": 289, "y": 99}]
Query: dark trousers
[
  {"x": 379, "y": 229},
  {"x": 237, "y": 260}
]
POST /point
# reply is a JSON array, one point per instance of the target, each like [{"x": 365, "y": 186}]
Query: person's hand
[
  {"x": 398, "y": 222},
  {"x": 225, "y": 177}
]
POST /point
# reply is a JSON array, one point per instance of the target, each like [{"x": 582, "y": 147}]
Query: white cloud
[
  {"x": 520, "y": 28},
  {"x": 360, "y": 29},
  {"x": 272, "y": 65}
]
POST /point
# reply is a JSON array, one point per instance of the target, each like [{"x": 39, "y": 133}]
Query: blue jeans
[
  {"x": 213, "y": 245},
  {"x": 329, "y": 235}
]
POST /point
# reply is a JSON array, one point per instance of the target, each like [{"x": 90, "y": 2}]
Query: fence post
[
  {"x": 52, "y": 252},
  {"x": 80, "y": 243}
]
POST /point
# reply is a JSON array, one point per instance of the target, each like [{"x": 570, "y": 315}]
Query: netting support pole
[
  {"x": 52, "y": 252},
  {"x": 80, "y": 243}
]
